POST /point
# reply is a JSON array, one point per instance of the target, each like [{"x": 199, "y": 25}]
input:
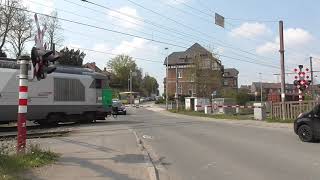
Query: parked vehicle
[
  {"x": 68, "y": 94},
  {"x": 118, "y": 107},
  {"x": 307, "y": 125}
]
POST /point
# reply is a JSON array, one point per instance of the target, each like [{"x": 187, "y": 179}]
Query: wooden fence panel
[{"x": 292, "y": 108}]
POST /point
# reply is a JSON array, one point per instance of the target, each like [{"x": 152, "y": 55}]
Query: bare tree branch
[
  {"x": 21, "y": 32},
  {"x": 7, "y": 14},
  {"x": 53, "y": 34}
]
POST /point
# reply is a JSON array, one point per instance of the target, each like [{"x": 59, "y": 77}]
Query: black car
[
  {"x": 118, "y": 107},
  {"x": 307, "y": 125}
]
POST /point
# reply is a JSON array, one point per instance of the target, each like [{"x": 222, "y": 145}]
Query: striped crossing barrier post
[{"x": 23, "y": 103}]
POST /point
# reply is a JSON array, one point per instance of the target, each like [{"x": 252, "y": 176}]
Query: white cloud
[
  {"x": 41, "y": 6},
  {"x": 267, "y": 48},
  {"x": 293, "y": 38},
  {"x": 250, "y": 30},
  {"x": 176, "y": 2},
  {"x": 73, "y": 46},
  {"x": 100, "y": 57},
  {"x": 129, "y": 21},
  {"x": 129, "y": 47}
]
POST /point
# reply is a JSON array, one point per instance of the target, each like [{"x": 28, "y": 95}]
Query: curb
[
  {"x": 151, "y": 168},
  {"x": 39, "y": 134}
]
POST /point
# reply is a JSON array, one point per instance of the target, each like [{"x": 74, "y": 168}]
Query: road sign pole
[{"x": 23, "y": 103}]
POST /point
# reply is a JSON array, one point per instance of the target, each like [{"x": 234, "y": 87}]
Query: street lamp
[{"x": 167, "y": 59}]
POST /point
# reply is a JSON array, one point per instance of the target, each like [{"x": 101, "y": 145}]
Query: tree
[
  {"x": 242, "y": 97},
  {"x": 7, "y": 14},
  {"x": 3, "y": 54},
  {"x": 121, "y": 66},
  {"x": 21, "y": 32},
  {"x": 150, "y": 85},
  {"x": 206, "y": 75},
  {"x": 71, "y": 57},
  {"x": 53, "y": 33}
]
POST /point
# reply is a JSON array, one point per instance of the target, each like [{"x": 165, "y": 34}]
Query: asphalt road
[{"x": 191, "y": 148}]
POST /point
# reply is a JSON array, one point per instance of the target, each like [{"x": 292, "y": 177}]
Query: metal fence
[{"x": 291, "y": 109}]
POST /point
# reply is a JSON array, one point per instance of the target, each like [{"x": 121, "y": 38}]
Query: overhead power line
[
  {"x": 220, "y": 42},
  {"x": 101, "y": 21},
  {"x": 156, "y": 25},
  {"x": 84, "y": 24},
  {"x": 114, "y": 54},
  {"x": 101, "y": 28}
]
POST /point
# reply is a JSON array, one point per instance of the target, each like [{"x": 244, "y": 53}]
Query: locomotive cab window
[{"x": 98, "y": 84}]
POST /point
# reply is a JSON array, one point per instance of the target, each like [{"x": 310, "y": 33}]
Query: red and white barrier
[
  {"x": 228, "y": 106},
  {"x": 23, "y": 105}
]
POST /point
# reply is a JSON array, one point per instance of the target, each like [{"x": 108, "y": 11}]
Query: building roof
[
  {"x": 230, "y": 72},
  {"x": 185, "y": 57},
  {"x": 92, "y": 66}
]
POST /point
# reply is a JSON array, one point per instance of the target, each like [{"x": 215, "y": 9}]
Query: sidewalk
[
  {"x": 97, "y": 152},
  {"x": 255, "y": 123}
]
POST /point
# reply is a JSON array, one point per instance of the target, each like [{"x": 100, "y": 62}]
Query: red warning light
[
  {"x": 296, "y": 77},
  {"x": 307, "y": 69},
  {"x": 307, "y": 77}
]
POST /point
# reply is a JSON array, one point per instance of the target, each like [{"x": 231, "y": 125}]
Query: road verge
[{"x": 151, "y": 168}]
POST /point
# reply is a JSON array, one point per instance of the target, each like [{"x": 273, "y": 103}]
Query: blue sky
[{"x": 250, "y": 35}]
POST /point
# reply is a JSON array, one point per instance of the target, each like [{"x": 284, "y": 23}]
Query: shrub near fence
[{"x": 292, "y": 109}]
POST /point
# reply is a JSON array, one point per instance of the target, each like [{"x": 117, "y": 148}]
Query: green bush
[{"x": 12, "y": 165}]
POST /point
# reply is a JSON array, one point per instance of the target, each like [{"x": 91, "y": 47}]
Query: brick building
[
  {"x": 230, "y": 78},
  {"x": 197, "y": 71}
]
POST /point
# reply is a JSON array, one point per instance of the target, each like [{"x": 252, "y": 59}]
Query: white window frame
[{"x": 180, "y": 73}]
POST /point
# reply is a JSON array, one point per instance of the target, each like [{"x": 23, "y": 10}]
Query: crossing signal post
[
  {"x": 42, "y": 64},
  {"x": 301, "y": 81}
]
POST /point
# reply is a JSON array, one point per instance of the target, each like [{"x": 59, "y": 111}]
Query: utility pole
[
  {"x": 167, "y": 78},
  {"x": 311, "y": 85},
  {"x": 177, "y": 84},
  {"x": 283, "y": 95},
  {"x": 260, "y": 88},
  {"x": 129, "y": 83},
  {"x": 130, "y": 80},
  {"x": 131, "y": 96},
  {"x": 23, "y": 103}
]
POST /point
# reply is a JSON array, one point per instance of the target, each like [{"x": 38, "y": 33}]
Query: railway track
[{"x": 36, "y": 131}]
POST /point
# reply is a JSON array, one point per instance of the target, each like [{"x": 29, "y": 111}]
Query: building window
[
  {"x": 225, "y": 83},
  {"x": 179, "y": 73},
  {"x": 190, "y": 92},
  {"x": 192, "y": 77},
  {"x": 180, "y": 89}
]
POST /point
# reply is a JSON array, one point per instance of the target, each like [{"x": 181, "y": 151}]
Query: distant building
[
  {"x": 245, "y": 88},
  {"x": 181, "y": 67},
  {"x": 92, "y": 65},
  {"x": 273, "y": 91},
  {"x": 230, "y": 78}
]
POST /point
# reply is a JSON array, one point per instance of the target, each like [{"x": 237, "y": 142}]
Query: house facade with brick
[
  {"x": 230, "y": 78},
  {"x": 194, "y": 72}
]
